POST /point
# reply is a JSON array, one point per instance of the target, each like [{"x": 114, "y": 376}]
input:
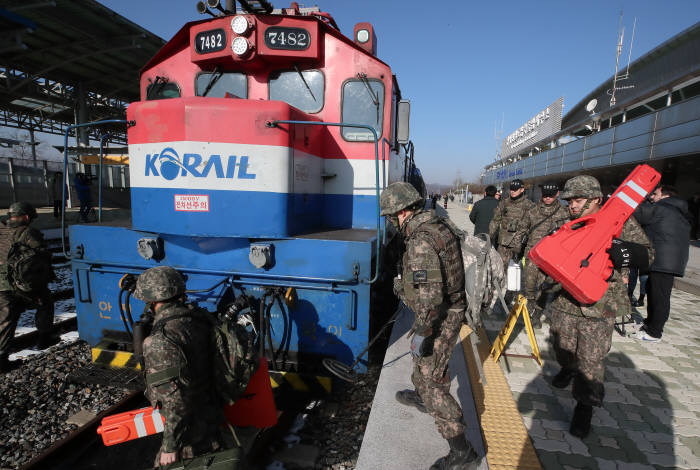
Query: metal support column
[
  {"x": 46, "y": 181},
  {"x": 82, "y": 117},
  {"x": 33, "y": 144},
  {"x": 11, "y": 175}
]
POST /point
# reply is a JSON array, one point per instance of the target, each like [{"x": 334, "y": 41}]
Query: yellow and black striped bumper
[
  {"x": 114, "y": 359},
  {"x": 314, "y": 384}
]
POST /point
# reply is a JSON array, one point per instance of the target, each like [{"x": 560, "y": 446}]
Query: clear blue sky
[{"x": 464, "y": 64}]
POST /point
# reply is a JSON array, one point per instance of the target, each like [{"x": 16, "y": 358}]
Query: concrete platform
[
  {"x": 650, "y": 418},
  {"x": 401, "y": 437},
  {"x": 651, "y": 414}
]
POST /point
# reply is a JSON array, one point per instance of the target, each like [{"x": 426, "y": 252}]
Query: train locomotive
[{"x": 256, "y": 157}]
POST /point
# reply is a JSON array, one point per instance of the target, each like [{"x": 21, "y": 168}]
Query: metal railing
[
  {"x": 376, "y": 169},
  {"x": 65, "y": 168}
]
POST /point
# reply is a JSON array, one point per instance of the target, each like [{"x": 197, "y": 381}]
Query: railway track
[
  {"x": 83, "y": 448},
  {"x": 65, "y": 451}
]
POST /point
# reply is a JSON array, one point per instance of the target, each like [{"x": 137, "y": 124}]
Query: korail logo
[{"x": 168, "y": 165}]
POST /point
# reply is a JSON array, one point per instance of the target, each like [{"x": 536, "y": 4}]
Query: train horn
[
  {"x": 202, "y": 9},
  {"x": 217, "y": 4}
]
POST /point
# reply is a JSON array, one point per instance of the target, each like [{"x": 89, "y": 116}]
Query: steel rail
[{"x": 63, "y": 448}]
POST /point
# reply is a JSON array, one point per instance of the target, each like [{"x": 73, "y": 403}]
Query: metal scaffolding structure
[{"x": 64, "y": 62}]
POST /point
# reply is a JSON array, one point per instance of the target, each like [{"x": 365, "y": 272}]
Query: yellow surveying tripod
[{"x": 520, "y": 307}]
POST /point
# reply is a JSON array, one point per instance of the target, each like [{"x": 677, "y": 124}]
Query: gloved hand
[
  {"x": 625, "y": 254},
  {"x": 418, "y": 345}
]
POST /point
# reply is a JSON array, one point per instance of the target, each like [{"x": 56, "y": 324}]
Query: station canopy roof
[{"x": 56, "y": 54}]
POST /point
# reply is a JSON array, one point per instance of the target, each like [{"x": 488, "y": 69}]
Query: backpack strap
[
  {"x": 162, "y": 376},
  {"x": 160, "y": 324}
]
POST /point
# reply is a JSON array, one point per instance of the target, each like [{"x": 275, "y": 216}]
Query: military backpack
[
  {"x": 236, "y": 358},
  {"x": 484, "y": 276},
  {"x": 28, "y": 269}
]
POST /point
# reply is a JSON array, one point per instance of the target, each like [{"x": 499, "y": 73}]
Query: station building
[{"x": 648, "y": 113}]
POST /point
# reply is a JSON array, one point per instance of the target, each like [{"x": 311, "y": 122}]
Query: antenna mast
[
  {"x": 497, "y": 135},
  {"x": 625, "y": 76}
]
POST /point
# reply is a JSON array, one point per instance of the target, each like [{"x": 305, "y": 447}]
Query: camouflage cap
[
  {"x": 158, "y": 284},
  {"x": 22, "y": 208},
  {"x": 398, "y": 196},
  {"x": 581, "y": 186}
]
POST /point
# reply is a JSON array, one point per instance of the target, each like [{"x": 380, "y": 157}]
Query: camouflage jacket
[
  {"x": 615, "y": 301},
  {"x": 178, "y": 358},
  {"x": 507, "y": 220},
  {"x": 22, "y": 238},
  {"x": 433, "y": 273},
  {"x": 539, "y": 222}
]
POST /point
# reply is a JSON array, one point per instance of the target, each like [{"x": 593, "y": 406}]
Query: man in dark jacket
[
  {"x": 482, "y": 212},
  {"x": 82, "y": 187},
  {"x": 667, "y": 224}
]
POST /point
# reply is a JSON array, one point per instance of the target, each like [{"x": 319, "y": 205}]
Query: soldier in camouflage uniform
[
  {"x": 432, "y": 285},
  {"x": 547, "y": 215},
  {"x": 507, "y": 220},
  {"x": 177, "y": 364},
  {"x": 582, "y": 334},
  {"x": 16, "y": 295}
]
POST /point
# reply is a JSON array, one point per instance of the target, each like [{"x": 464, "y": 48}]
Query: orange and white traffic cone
[{"x": 257, "y": 405}]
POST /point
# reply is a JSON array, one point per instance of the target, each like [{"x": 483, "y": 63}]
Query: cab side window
[
  {"x": 161, "y": 88},
  {"x": 362, "y": 103}
]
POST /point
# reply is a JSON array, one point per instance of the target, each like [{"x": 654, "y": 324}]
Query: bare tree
[{"x": 23, "y": 148}]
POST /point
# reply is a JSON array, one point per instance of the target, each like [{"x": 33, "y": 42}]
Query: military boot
[
  {"x": 581, "y": 422},
  {"x": 563, "y": 378},
  {"x": 462, "y": 456},
  {"x": 6, "y": 365},
  {"x": 411, "y": 398}
]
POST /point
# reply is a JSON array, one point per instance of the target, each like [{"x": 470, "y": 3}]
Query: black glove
[{"x": 627, "y": 254}]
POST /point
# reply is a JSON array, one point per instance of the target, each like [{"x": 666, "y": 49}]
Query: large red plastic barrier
[
  {"x": 255, "y": 408},
  {"x": 575, "y": 255},
  {"x": 130, "y": 425}
]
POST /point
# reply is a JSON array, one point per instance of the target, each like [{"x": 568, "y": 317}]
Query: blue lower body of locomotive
[{"x": 329, "y": 272}]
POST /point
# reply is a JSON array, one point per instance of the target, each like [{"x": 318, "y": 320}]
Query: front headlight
[
  {"x": 240, "y": 46},
  {"x": 240, "y": 25}
]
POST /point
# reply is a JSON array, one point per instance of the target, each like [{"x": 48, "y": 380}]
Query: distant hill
[{"x": 437, "y": 188}]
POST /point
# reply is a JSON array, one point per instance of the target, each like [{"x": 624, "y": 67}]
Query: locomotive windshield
[
  {"x": 301, "y": 89},
  {"x": 363, "y": 102},
  {"x": 217, "y": 84}
]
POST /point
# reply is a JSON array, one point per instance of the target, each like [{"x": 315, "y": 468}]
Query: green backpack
[{"x": 236, "y": 358}]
